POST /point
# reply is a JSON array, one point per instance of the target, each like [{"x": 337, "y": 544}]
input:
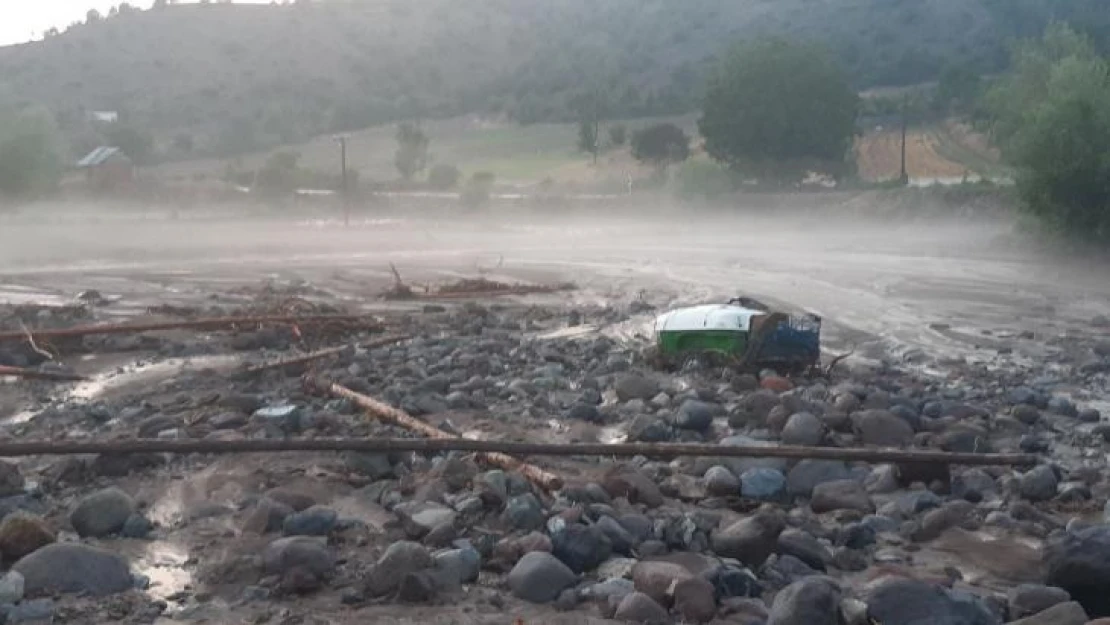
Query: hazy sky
[{"x": 23, "y": 20}]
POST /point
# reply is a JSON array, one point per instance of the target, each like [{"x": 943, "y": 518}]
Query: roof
[
  {"x": 708, "y": 317},
  {"x": 100, "y": 155}
]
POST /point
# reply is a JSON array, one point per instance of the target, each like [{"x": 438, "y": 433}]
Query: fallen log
[
  {"x": 210, "y": 323},
  {"x": 543, "y": 479},
  {"x": 12, "y": 449},
  {"x": 35, "y": 374},
  {"x": 321, "y": 354}
]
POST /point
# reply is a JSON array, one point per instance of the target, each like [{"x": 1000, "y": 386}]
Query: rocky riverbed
[{"x": 406, "y": 538}]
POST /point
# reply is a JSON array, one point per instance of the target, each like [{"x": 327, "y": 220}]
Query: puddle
[{"x": 163, "y": 563}]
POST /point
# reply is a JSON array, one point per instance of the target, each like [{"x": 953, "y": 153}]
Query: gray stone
[
  {"x": 1070, "y": 613},
  {"x": 102, "y": 513},
  {"x": 298, "y": 552},
  {"x": 720, "y": 482},
  {"x": 841, "y": 495},
  {"x": 764, "y": 484},
  {"x": 808, "y": 473},
  {"x": 751, "y": 540},
  {"x": 1026, "y": 413},
  {"x": 11, "y": 587},
  {"x": 74, "y": 568},
  {"x": 524, "y": 512},
  {"x": 640, "y": 608},
  {"x": 649, "y": 429},
  {"x": 810, "y": 601},
  {"x": 1062, "y": 406},
  {"x": 399, "y": 559},
  {"x": 630, "y": 386},
  {"x": 882, "y": 428},
  {"x": 314, "y": 521},
  {"x": 1039, "y": 483},
  {"x": 584, "y": 412},
  {"x": 695, "y": 600},
  {"x": 694, "y": 415},
  {"x": 417, "y": 587},
  {"x": 581, "y": 547},
  {"x": 759, "y": 404},
  {"x": 656, "y": 578},
  {"x": 420, "y": 518},
  {"x": 621, "y": 539},
  {"x": 371, "y": 465},
  {"x": 36, "y": 611},
  {"x": 903, "y": 601},
  {"x": 805, "y": 547},
  {"x": 11, "y": 480},
  {"x": 802, "y": 428},
  {"x": 1079, "y": 563},
  {"x": 973, "y": 485},
  {"x": 1028, "y": 599},
  {"x": 539, "y": 577},
  {"x": 137, "y": 526}
]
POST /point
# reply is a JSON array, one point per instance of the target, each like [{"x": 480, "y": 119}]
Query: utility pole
[
  {"x": 344, "y": 191},
  {"x": 904, "y": 177}
]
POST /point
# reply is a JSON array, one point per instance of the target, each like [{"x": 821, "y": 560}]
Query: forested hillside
[{"x": 224, "y": 79}]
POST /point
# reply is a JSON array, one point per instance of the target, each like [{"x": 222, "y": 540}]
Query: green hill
[{"x": 221, "y": 79}]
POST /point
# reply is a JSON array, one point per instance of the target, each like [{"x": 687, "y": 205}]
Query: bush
[
  {"x": 699, "y": 178},
  {"x": 30, "y": 153},
  {"x": 444, "y": 176}
]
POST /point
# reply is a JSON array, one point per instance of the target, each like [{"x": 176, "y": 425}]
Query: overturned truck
[{"x": 743, "y": 333}]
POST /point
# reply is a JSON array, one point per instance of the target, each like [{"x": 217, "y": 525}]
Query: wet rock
[
  {"x": 973, "y": 485},
  {"x": 1089, "y": 415},
  {"x": 840, "y": 495},
  {"x": 733, "y": 581},
  {"x": 524, "y": 512},
  {"x": 694, "y": 415},
  {"x": 420, "y": 518},
  {"x": 763, "y": 484},
  {"x": 73, "y": 568},
  {"x": 655, "y": 578},
  {"x": 759, "y": 404},
  {"x": 121, "y": 465},
  {"x": 1070, "y": 613},
  {"x": 371, "y": 465},
  {"x": 399, "y": 559},
  {"x": 808, "y": 473},
  {"x": 882, "y": 479},
  {"x": 22, "y": 533},
  {"x": 630, "y": 386},
  {"x": 298, "y": 553},
  {"x": 460, "y": 566},
  {"x": 12, "y": 586},
  {"x": 1039, "y": 483},
  {"x": 11, "y": 480},
  {"x": 881, "y": 428},
  {"x": 695, "y": 600},
  {"x": 640, "y": 608},
  {"x": 621, "y": 539},
  {"x": 1026, "y": 413},
  {"x": 857, "y": 536},
  {"x": 802, "y": 428},
  {"x": 416, "y": 587},
  {"x": 903, "y": 601},
  {"x": 810, "y": 601},
  {"x": 581, "y": 548},
  {"x": 638, "y": 525},
  {"x": 751, "y": 540},
  {"x": 589, "y": 413},
  {"x": 720, "y": 482},
  {"x": 649, "y": 429},
  {"x": 539, "y": 578},
  {"x": 314, "y": 521},
  {"x": 137, "y": 526},
  {"x": 1079, "y": 563},
  {"x": 1028, "y": 599},
  {"x": 102, "y": 513},
  {"x": 1062, "y": 406},
  {"x": 805, "y": 547},
  {"x": 295, "y": 499},
  {"x": 965, "y": 441},
  {"x": 634, "y": 486}
]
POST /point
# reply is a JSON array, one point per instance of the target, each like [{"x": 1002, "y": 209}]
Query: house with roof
[{"x": 107, "y": 168}]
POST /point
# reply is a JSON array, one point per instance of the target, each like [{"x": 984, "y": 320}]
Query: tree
[
  {"x": 136, "y": 143},
  {"x": 412, "y": 150},
  {"x": 92, "y": 16},
  {"x": 30, "y": 152},
  {"x": 1051, "y": 116},
  {"x": 660, "y": 145},
  {"x": 774, "y": 106},
  {"x": 444, "y": 176},
  {"x": 618, "y": 135},
  {"x": 958, "y": 89},
  {"x": 587, "y": 137}
]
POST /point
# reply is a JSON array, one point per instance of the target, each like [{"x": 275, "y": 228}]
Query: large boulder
[
  {"x": 807, "y": 474},
  {"x": 102, "y": 513},
  {"x": 74, "y": 568},
  {"x": 581, "y": 547},
  {"x": 399, "y": 559},
  {"x": 882, "y": 428},
  {"x": 1079, "y": 562},
  {"x": 841, "y": 495},
  {"x": 307, "y": 554},
  {"x": 810, "y": 601},
  {"x": 656, "y": 578},
  {"x": 539, "y": 577},
  {"x": 630, "y": 386},
  {"x": 803, "y": 428},
  {"x": 751, "y": 540},
  {"x": 22, "y": 533},
  {"x": 904, "y": 601},
  {"x": 694, "y": 415}
]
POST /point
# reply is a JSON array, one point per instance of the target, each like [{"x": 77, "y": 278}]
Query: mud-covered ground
[{"x": 963, "y": 338}]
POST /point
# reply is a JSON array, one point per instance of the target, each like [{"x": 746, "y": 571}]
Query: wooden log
[{"x": 209, "y": 323}]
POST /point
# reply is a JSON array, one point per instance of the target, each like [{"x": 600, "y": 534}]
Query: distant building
[
  {"x": 107, "y": 168},
  {"x": 104, "y": 117}
]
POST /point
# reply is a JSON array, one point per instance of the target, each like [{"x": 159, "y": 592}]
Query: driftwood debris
[
  {"x": 446, "y": 442},
  {"x": 543, "y": 479},
  {"x": 208, "y": 323},
  {"x": 467, "y": 288},
  {"x": 321, "y": 354}
]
